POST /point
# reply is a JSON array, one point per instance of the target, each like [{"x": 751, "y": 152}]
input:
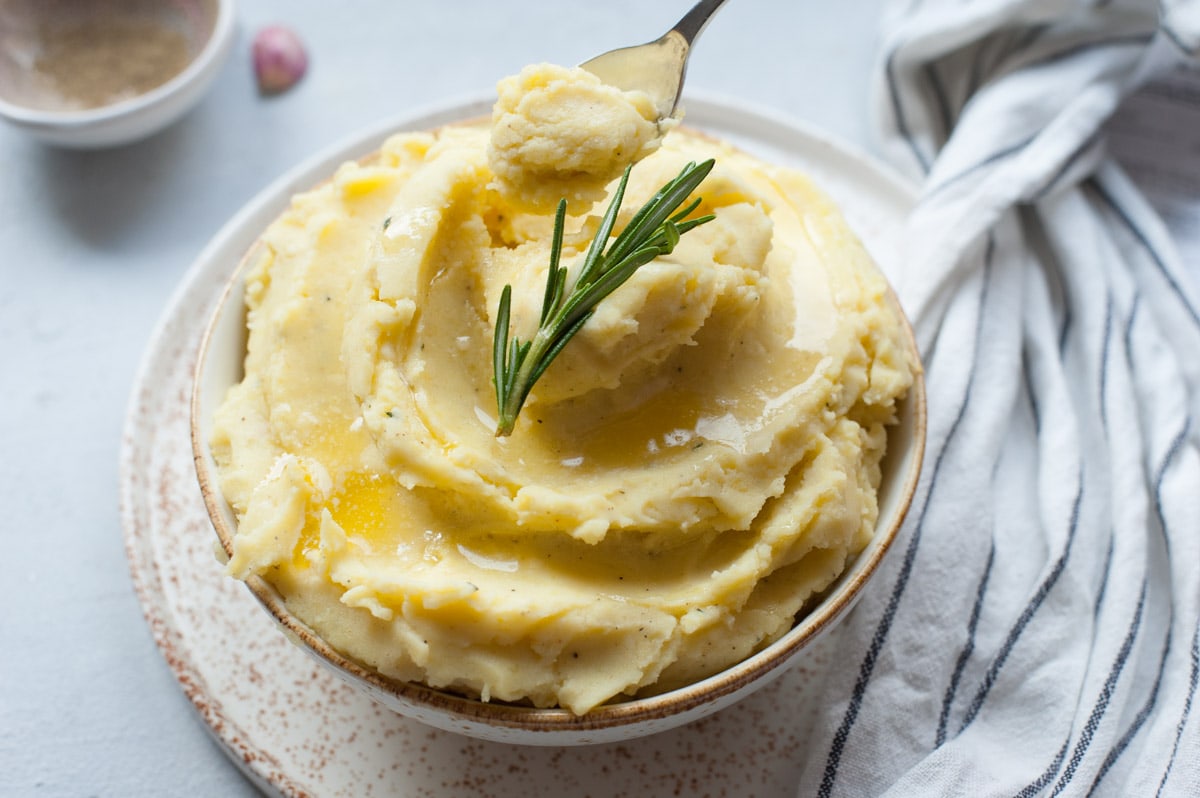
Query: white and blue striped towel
[{"x": 1036, "y": 631}]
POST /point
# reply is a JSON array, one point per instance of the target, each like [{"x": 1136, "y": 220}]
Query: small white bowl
[{"x": 29, "y": 101}]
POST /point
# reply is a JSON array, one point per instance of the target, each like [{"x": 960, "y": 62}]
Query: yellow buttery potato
[{"x": 700, "y": 460}]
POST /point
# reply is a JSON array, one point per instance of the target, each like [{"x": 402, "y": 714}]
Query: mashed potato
[
  {"x": 701, "y": 460},
  {"x": 560, "y": 133}
]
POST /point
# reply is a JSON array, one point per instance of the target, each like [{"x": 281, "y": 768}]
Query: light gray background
[{"x": 92, "y": 245}]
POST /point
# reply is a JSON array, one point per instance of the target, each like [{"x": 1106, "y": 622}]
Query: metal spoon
[{"x": 657, "y": 67}]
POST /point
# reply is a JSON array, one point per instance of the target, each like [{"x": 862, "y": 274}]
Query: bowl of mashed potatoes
[{"x": 701, "y": 483}]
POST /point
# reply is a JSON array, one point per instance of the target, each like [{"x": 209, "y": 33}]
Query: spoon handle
[{"x": 694, "y": 21}]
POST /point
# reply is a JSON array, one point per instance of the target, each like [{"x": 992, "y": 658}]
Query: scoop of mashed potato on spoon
[{"x": 559, "y": 132}]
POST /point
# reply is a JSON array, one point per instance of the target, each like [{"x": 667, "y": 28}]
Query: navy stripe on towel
[
  {"x": 964, "y": 656},
  {"x": 838, "y": 745},
  {"x": 1101, "y": 705},
  {"x": 1014, "y": 634}
]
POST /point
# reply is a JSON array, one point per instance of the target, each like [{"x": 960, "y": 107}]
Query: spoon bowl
[{"x": 658, "y": 67}]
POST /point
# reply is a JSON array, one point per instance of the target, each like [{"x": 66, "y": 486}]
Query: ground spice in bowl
[
  {"x": 89, "y": 65},
  {"x": 68, "y": 56}
]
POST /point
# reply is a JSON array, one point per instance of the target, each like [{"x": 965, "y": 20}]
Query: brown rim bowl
[{"x": 219, "y": 364}]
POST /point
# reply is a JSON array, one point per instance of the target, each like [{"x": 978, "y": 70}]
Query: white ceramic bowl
[
  {"x": 219, "y": 366},
  {"x": 26, "y": 102}
]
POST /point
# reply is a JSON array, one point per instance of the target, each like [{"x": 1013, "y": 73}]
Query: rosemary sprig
[{"x": 654, "y": 230}]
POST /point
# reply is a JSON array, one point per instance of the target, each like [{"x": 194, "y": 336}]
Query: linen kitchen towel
[{"x": 1036, "y": 629}]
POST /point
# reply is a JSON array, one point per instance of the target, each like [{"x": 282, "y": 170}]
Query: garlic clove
[{"x": 280, "y": 59}]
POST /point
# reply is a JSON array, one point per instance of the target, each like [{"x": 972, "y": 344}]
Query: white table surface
[{"x": 93, "y": 243}]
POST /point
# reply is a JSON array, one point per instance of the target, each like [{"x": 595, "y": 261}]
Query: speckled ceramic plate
[{"x": 293, "y": 726}]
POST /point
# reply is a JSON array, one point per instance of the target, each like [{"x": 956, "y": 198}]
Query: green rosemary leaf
[
  {"x": 654, "y": 230},
  {"x": 555, "y": 278}
]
